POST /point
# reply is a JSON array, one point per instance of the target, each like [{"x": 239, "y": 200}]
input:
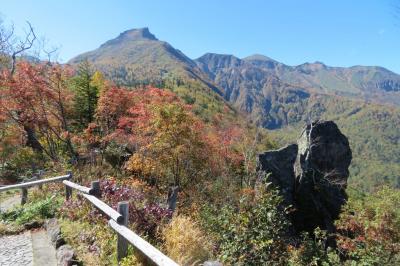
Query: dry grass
[{"x": 185, "y": 242}]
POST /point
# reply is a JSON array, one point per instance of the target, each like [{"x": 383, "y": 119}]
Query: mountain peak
[
  {"x": 319, "y": 63},
  {"x": 258, "y": 57},
  {"x": 132, "y": 35},
  {"x": 219, "y": 60},
  {"x": 215, "y": 55},
  {"x": 137, "y": 34}
]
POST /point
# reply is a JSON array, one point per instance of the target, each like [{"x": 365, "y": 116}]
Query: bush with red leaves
[{"x": 144, "y": 217}]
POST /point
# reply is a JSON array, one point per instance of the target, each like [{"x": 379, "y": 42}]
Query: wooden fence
[
  {"x": 24, "y": 186},
  {"x": 119, "y": 219}
]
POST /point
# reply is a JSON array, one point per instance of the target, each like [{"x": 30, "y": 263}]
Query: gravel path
[
  {"x": 26, "y": 249},
  {"x": 16, "y": 250}
]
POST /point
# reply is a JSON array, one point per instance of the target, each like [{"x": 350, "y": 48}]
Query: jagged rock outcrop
[{"x": 311, "y": 175}]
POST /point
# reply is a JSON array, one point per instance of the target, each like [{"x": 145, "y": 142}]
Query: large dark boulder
[
  {"x": 311, "y": 175},
  {"x": 277, "y": 168}
]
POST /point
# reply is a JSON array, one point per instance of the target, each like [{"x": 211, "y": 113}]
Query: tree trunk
[
  {"x": 172, "y": 197},
  {"x": 32, "y": 140}
]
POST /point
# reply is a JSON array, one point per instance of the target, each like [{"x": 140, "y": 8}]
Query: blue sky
[{"x": 338, "y": 33}]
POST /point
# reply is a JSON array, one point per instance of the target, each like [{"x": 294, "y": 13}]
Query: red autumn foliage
[
  {"x": 37, "y": 98},
  {"x": 151, "y": 119}
]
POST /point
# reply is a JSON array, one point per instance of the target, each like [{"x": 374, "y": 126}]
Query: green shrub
[
  {"x": 116, "y": 155},
  {"x": 369, "y": 228},
  {"x": 312, "y": 251},
  {"x": 23, "y": 162},
  {"x": 94, "y": 244},
  {"x": 130, "y": 260},
  {"x": 368, "y": 233},
  {"x": 254, "y": 233},
  {"x": 33, "y": 211}
]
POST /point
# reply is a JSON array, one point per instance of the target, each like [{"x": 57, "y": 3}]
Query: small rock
[
  {"x": 54, "y": 232},
  {"x": 66, "y": 256},
  {"x": 32, "y": 225}
]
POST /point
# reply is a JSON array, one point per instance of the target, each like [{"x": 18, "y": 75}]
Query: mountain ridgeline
[
  {"x": 363, "y": 100},
  {"x": 137, "y": 56}
]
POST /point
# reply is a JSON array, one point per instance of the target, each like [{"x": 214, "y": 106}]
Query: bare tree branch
[
  {"x": 49, "y": 53},
  {"x": 45, "y": 52},
  {"x": 24, "y": 45}
]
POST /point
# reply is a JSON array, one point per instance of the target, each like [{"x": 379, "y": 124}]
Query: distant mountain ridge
[
  {"x": 370, "y": 83},
  {"x": 276, "y": 95},
  {"x": 265, "y": 89}
]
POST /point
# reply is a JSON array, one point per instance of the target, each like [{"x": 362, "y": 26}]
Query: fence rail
[
  {"x": 110, "y": 212},
  {"x": 80, "y": 188},
  {"x": 36, "y": 183},
  {"x": 147, "y": 249},
  {"x": 118, "y": 222},
  {"x": 24, "y": 186}
]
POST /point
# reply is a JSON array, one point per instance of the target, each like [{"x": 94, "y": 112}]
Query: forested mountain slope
[{"x": 283, "y": 98}]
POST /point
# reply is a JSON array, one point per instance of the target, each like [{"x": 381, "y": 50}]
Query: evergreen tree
[{"x": 86, "y": 95}]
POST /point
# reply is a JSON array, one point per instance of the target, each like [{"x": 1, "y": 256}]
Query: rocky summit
[{"x": 311, "y": 175}]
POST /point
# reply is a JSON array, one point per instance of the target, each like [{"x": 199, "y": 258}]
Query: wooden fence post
[
  {"x": 96, "y": 188},
  {"x": 24, "y": 195},
  {"x": 40, "y": 173},
  {"x": 122, "y": 243},
  {"x": 68, "y": 190}
]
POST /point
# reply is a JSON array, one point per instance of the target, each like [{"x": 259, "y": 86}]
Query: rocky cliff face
[
  {"x": 373, "y": 83},
  {"x": 311, "y": 175}
]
